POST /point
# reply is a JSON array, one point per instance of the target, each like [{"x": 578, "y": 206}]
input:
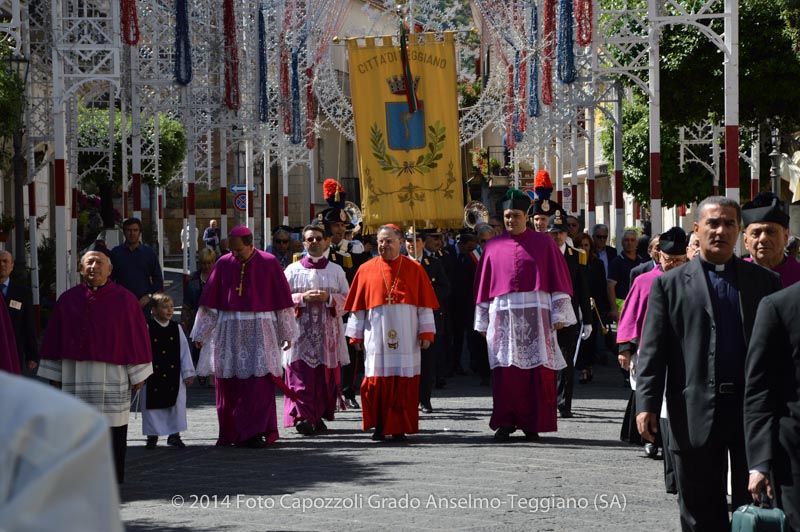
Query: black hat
[
  {"x": 332, "y": 214},
  {"x": 557, "y": 223},
  {"x": 673, "y": 242},
  {"x": 432, "y": 232},
  {"x": 765, "y": 207},
  {"x": 411, "y": 235},
  {"x": 516, "y": 199},
  {"x": 546, "y": 207}
]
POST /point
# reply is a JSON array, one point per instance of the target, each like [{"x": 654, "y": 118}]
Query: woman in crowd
[
  {"x": 596, "y": 277},
  {"x": 191, "y": 297}
]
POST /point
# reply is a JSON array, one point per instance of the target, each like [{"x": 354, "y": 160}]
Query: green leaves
[{"x": 93, "y": 131}]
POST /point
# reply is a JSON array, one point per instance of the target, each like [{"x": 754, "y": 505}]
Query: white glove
[{"x": 587, "y": 332}]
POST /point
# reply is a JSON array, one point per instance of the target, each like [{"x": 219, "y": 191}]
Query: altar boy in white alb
[{"x": 164, "y": 395}]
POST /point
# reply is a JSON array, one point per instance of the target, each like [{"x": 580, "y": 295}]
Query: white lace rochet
[
  {"x": 519, "y": 328},
  {"x": 242, "y": 344}
]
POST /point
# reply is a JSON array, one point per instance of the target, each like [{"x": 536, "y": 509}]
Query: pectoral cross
[
  {"x": 390, "y": 299},
  {"x": 241, "y": 281}
]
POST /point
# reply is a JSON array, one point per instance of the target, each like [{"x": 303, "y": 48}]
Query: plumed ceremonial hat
[
  {"x": 673, "y": 242},
  {"x": 335, "y": 197},
  {"x": 765, "y": 207},
  {"x": 542, "y": 185}
]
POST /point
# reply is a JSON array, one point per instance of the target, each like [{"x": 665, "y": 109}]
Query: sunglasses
[
  {"x": 281, "y": 241},
  {"x": 601, "y": 237},
  {"x": 314, "y": 239}
]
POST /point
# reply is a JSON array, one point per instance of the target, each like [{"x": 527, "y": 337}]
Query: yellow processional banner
[{"x": 409, "y": 163}]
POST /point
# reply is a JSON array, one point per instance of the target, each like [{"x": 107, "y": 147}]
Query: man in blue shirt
[{"x": 136, "y": 265}]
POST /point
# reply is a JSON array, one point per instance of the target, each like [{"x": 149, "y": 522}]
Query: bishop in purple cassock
[
  {"x": 522, "y": 292},
  {"x": 245, "y": 321}
]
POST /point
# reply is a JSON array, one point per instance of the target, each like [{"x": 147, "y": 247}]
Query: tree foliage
[
  {"x": 692, "y": 90},
  {"x": 12, "y": 101},
  {"x": 677, "y": 187},
  {"x": 93, "y": 131}
]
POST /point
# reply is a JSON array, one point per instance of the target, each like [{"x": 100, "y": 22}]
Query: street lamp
[{"x": 775, "y": 160}]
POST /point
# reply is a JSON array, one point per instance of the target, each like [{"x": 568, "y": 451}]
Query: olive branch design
[{"x": 424, "y": 163}]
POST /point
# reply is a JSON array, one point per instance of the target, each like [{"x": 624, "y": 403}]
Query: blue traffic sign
[{"x": 240, "y": 187}]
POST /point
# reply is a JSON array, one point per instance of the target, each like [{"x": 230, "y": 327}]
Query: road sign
[
  {"x": 566, "y": 196},
  {"x": 240, "y": 187},
  {"x": 240, "y": 201}
]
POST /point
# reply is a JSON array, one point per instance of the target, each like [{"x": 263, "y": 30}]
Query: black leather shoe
[
  {"x": 531, "y": 436},
  {"x": 503, "y": 434},
  {"x": 378, "y": 434},
  {"x": 320, "y": 426},
  {"x": 176, "y": 441},
  {"x": 256, "y": 442},
  {"x": 352, "y": 403},
  {"x": 398, "y": 437},
  {"x": 566, "y": 414},
  {"x": 304, "y": 427},
  {"x": 650, "y": 450},
  {"x": 425, "y": 408},
  {"x": 152, "y": 442}
]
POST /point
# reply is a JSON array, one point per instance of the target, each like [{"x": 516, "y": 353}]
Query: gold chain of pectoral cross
[
  {"x": 390, "y": 291},
  {"x": 241, "y": 280}
]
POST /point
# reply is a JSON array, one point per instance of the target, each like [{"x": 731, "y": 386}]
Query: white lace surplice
[
  {"x": 322, "y": 338},
  {"x": 398, "y": 355},
  {"x": 519, "y": 331},
  {"x": 242, "y": 344}
]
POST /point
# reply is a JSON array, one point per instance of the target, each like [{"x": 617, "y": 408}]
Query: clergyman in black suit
[
  {"x": 568, "y": 336},
  {"x": 698, "y": 325},
  {"x": 19, "y": 301},
  {"x": 441, "y": 286},
  {"x": 772, "y": 402}
]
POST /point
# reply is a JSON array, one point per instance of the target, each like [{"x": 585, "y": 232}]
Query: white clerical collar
[
  {"x": 316, "y": 259},
  {"x": 162, "y": 323}
]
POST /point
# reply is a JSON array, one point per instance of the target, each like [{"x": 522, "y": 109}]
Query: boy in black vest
[{"x": 164, "y": 394}]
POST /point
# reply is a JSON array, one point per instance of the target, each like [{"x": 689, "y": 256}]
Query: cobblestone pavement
[{"x": 450, "y": 476}]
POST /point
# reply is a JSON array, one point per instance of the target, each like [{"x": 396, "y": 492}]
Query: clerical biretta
[{"x": 392, "y": 303}]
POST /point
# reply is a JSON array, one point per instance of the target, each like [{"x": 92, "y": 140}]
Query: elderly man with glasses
[
  {"x": 280, "y": 247},
  {"x": 604, "y": 252}
]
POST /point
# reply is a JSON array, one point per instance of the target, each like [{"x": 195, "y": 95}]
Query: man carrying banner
[{"x": 391, "y": 301}]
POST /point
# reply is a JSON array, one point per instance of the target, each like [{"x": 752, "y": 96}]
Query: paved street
[{"x": 451, "y": 476}]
